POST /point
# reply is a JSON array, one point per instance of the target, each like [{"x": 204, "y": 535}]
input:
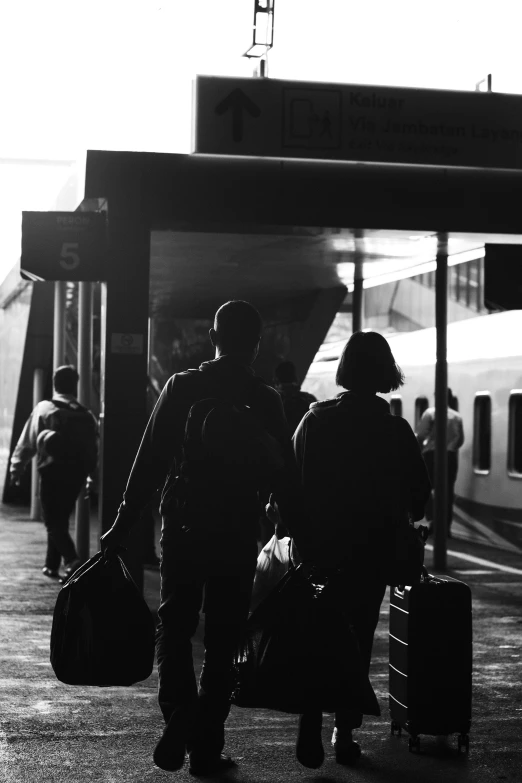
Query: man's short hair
[
  {"x": 238, "y": 326},
  {"x": 367, "y": 364},
  {"x": 285, "y": 372},
  {"x": 65, "y": 379}
]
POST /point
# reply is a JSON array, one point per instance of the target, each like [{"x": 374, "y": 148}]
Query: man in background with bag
[
  {"x": 216, "y": 439},
  {"x": 64, "y": 436}
]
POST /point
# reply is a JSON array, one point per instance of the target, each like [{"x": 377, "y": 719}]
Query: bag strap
[{"x": 63, "y": 405}]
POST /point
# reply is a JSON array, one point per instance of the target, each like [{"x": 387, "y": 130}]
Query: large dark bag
[
  {"x": 103, "y": 631},
  {"x": 431, "y": 658},
  {"x": 299, "y": 651}
]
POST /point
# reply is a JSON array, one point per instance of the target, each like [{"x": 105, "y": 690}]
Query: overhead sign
[
  {"x": 64, "y": 246},
  {"x": 272, "y": 118}
]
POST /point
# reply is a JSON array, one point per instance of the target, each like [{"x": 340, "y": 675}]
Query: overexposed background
[{"x": 117, "y": 74}]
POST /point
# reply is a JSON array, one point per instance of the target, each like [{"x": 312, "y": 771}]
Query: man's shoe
[
  {"x": 309, "y": 747},
  {"x": 346, "y": 750},
  {"x": 212, "y": 765},
  {"x": 50, "y": 572},
  {"x": 169, "y": 753},
  {"x": 69, "y": 569}
]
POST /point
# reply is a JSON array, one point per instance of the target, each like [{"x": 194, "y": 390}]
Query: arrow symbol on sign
[{"x": 239, "y": 103}]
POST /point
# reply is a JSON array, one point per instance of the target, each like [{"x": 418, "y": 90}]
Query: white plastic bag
[{"x": 272, "y": 564}]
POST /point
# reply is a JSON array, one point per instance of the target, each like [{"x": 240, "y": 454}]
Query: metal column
[
  {"x": 84, "y": 396},
  {"x": 441, "y": 404},
  {"x": 38, "y": 393},
  {"x": 358, "y": 296},
  {"x": 358, "y": 279},
  {"x": 125, "y": 313},
  {"x": 59, "y": 324}
]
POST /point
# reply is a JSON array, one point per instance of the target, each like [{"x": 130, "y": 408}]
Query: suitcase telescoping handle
[{"x": 425, "y": 577}]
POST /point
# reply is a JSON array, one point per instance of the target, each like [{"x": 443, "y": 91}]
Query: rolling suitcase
[{"x": 431, "y": 659}]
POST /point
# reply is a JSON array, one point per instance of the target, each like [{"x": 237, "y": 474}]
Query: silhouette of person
[
  {"x": 64, "y": 436},
  {"x": 295, "y": 402},
  {"x": 454, "y": 440},
  {"x": 363, "y": 475},
  {"x": 209, "y": 537}
]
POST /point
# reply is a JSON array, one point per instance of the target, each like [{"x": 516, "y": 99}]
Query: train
[{"x": 485, "y": 375}]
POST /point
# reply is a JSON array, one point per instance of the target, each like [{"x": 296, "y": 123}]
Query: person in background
[
  {"x": 363, "y": 476},
  {"x": 295, "y": 402},
  {"x": 209, "y": 532},
  {"x": 64, "y": 436},
  {"x": 454, "y": 440}
]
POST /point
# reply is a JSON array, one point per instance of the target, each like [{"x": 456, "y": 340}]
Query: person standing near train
[{"x": 454, "y": 440}]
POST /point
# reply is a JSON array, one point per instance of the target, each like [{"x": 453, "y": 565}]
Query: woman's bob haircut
[{"x": 367, "y": 365}]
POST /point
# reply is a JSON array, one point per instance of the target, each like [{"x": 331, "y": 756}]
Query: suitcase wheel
[
  {"x": 396, "y": 727},
  {"x": 463, "y": 742},
  {"x": 414, "y": 744}
]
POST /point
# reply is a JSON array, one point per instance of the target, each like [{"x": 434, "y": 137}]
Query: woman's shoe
[
  {"x": 347, "y": 752},
  {"x": 309, "y": 747}
]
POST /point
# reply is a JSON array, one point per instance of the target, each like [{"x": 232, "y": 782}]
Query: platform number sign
[
  {"x": 64, "y": 246},
  {"x": 70, "y": 255}
]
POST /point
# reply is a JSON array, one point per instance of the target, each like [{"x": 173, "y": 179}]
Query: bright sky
[{"x": 117, "y": 74}]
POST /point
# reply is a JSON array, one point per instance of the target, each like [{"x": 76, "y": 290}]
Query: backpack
[
  {"x": 71, "y": 436},
  {"x": 227, "y": 453}
]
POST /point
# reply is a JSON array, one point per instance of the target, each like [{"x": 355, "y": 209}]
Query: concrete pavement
[{"x": 54, "y": 733}]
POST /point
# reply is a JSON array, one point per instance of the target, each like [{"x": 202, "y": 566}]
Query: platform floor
[{"x": 54, "y": 733}]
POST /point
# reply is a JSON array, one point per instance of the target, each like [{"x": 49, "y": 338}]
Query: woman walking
[{"x": 363, "y": 475}]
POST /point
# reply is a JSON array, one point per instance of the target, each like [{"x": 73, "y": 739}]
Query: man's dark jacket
[{"x": 161, "y": 449}]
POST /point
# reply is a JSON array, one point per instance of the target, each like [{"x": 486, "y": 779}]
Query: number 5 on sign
[{"x": 69, "y": 258}]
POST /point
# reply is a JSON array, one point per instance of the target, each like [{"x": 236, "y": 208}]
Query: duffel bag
[
  {"x": 103, "y": 631},
  {"x": 299, "y": 651}
]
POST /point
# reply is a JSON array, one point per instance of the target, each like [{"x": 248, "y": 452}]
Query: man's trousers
[
  {"x": 59, "y": 490},
  {"x": 217, "y": 580}
]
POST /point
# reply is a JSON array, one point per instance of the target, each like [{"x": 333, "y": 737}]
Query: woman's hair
[{"x": 367, "y": 364}]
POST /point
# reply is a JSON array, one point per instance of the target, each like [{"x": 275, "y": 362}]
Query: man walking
[
  {"x": 210, "y": 509},
  {"x": 454, "y": 439},
  {"x": 63, "y": 434}
]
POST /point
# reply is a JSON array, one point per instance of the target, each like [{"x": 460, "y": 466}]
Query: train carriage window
[
  {"x": 396, "y": 405},
  {"x": 482, "y": 433},
  {"x": 515, "y": 434},
  {"x": 421, "y": 403}
]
